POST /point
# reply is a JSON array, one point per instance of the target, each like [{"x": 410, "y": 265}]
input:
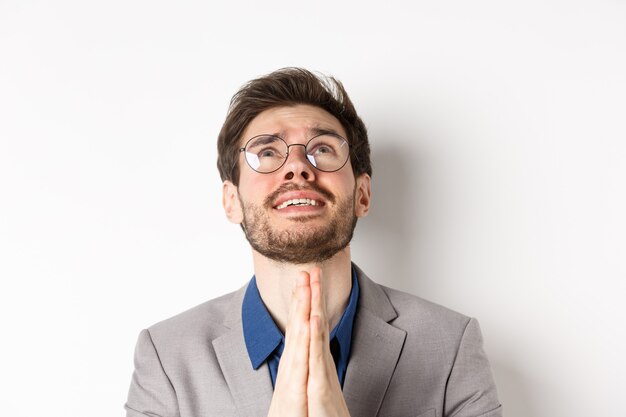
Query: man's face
[{"x": 301, "y": 233}]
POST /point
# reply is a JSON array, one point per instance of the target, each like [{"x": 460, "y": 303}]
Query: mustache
[{"x": 269, "y": 201}]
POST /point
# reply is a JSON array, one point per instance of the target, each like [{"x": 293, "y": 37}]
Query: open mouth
[{"x": 297, "y": 202}]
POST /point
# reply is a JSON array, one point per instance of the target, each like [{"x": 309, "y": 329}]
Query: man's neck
[{"x": 276, "y": 280}]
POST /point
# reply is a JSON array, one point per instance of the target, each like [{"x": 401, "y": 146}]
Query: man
[{"x": 311, "y": 334}]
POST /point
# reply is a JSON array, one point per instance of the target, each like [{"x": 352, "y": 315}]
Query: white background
[{"x": 498, "y": 137}]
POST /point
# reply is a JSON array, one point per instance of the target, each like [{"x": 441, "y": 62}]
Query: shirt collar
[
  {"x": 343, "y": 329},
  {"x": 262, "y": 336},
  {"x": 260, "y": 332}
]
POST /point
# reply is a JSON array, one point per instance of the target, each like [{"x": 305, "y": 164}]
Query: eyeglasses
[{"x": 327, "y": 152}]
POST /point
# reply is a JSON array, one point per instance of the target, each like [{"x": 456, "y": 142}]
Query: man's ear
[
  {"x": 363, "y": 195},
  {"x": 231, "y": 203}
]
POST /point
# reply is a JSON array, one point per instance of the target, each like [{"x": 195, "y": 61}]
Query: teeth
[{"x": 297, "y": 202}]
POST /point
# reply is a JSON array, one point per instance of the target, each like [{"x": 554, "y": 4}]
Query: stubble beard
[{"x": 303, "y": 244}]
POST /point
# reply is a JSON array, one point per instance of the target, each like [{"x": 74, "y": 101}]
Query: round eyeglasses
[{"x": 327, "y": 152}]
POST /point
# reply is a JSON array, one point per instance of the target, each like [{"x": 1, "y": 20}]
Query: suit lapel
[
  {"x": 376, "y": 347},
  {"x": 251, "y": 389}
]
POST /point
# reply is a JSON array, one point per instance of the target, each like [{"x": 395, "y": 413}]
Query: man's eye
[
  {"x": 267, "y": 153},
  {"x": 322, "y": 149}
]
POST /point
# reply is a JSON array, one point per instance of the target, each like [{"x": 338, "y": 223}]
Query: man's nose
[{"x": 297, "y": 164}]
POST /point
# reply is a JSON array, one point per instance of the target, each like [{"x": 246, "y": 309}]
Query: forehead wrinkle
[
  {"x": 319, "y": 122},
  {"x": 312, "y": 131}
]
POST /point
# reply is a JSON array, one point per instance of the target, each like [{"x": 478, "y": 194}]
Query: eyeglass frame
[{"x": 297, "y": 144}]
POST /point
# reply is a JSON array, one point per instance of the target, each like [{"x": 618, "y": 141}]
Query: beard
[{"x": 302, "y": 244}]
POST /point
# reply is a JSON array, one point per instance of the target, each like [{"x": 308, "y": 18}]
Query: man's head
[
  {"x": 305, "y": 210},
  {"x": 288, "y": 87}
]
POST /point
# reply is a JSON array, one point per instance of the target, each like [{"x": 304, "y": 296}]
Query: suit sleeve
[
  {"x": 151, "y": 393},
  {"x": 471, "y": 391}
]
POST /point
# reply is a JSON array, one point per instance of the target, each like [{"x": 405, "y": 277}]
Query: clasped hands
[{"x": 307, "y": 384}]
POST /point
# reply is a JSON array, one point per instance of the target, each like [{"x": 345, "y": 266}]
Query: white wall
[{"x": 498, "y": 141}]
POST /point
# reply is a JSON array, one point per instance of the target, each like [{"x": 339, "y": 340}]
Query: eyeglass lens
[{"x": 268, "y": 153}]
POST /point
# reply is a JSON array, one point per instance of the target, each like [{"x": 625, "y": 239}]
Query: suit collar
[
  {"x": 232, "y": 315},
  {"x": 373, "y": 298}
]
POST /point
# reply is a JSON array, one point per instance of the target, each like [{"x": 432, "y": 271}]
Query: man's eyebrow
[
  {"x": 263, "y": 139},
  {"x": 312, "y": 132},
  {"x": 316, "y": 131}
]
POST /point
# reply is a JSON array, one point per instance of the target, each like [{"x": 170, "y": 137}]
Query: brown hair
[{"x": 289, "y": 87}]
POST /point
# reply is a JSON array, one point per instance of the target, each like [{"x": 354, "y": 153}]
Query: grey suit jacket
[{"x": 409, "y": 358}]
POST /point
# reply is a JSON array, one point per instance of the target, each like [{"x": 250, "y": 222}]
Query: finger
[
  {"x": 319, "y": 350},
  {"x": 317, "y": 295},
  {"x": 321, "y": 364},
  {"x": 322, "y": 375},
  {"x": 297, "y": 333},
  {"x": 300, "y": 308},
  {"x": 301, "y": 282},
  {"x": 317, "y": 377},
  {"x": 318, "y": 305},
  {"x": 317, "y": 345}
]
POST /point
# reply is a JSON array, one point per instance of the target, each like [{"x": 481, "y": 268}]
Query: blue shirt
[{"x": 265, "y": 342}]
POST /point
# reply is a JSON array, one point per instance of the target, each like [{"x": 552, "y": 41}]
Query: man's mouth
[
  {"x": 297, "y": 199},
  {"x": 297, "y": 202}
]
